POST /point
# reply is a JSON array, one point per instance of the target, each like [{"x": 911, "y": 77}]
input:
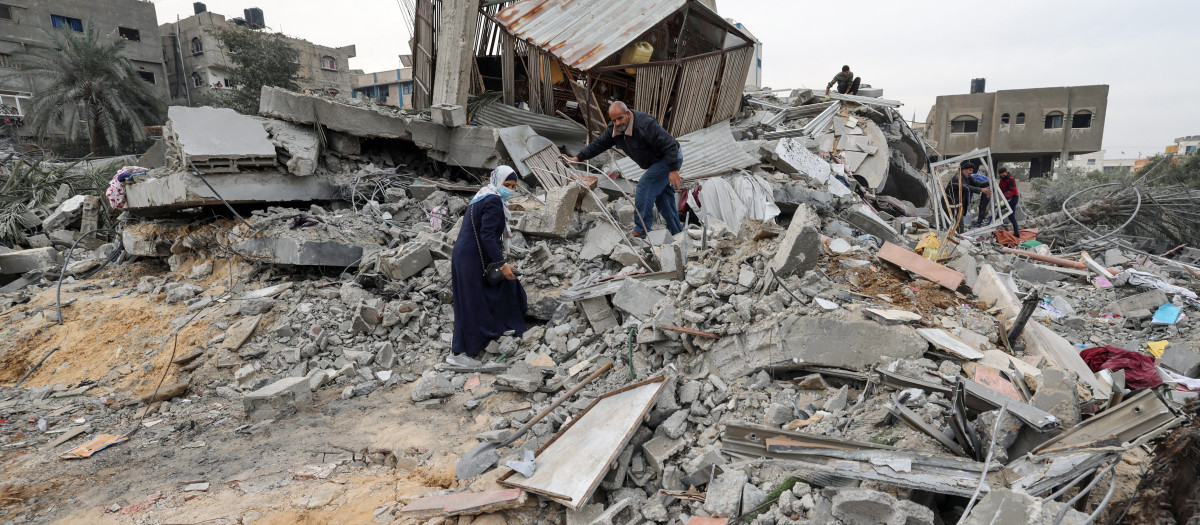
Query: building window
[
  {"x": 1091, "y": 162},
  {"x": 66, "y": 22},
  {"x": 147, "y": 76},
  {"x": 406, "y": 88},
  {"x": 197, "y": 46},
  {"x": 295, "y": 56},
  {"x": 1189, "y": 150},
  {"x": 1004, "y": 118},
  {"x": 1020, "y": 118},
  {"x": 129, "y": 34},
  {"x": 5, "y": 12},
  {"x": 196, "y": 80},
  {"x": 1054, "y": 120},
  {"x": 964, "y": 124},
  {"x": 1081, "y": 120},
  {"x": 329, "y": 63},
  {"x": 7, "y": 60}
]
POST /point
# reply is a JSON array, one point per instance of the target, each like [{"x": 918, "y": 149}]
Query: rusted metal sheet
[
  {"x": 707, "y": 152},
  {"x": 585, "y": 32}
]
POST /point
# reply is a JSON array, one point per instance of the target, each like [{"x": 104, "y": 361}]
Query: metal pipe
[
  {"x": 1063, "y": 512},
  {"x": 1027, "y": 309},
  {"x": 987, "y": 463}
]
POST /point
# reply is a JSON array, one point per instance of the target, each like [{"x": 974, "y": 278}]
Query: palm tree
[{"x": 90, "y": 86}]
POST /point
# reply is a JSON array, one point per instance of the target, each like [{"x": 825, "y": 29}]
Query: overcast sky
[{"x": 1145, "y": 51}]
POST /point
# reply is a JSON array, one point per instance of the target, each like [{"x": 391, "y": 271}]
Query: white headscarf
[{"x": 495, "y": 181}]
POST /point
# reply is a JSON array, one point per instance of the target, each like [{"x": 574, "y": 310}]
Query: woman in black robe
[{"x": 484, "y": 311}]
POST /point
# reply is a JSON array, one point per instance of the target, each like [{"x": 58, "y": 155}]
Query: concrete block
[
  {"x": 862, "y": 217},
  {"x": 155, "y": 157},
  {"x": 19, "y": 262},
  {"x": 660, "y": 449},
  {"x": 997, "y": 291},
  {"x": 1182, "y": 359},
  {"x": 797, "y": 340},
  {"x": 599, "y": 314},
  {"x": 624, "y": 255},
  {"x": 432, "y": 387},
  {"x": 279, "y": 399},
  {"x": 65, "y": 214},
  {"x": 724, "y": 496},
  {"x": 449, "y": 115},
  {"x": 145, "y": 244},
  {"x": 89, "y": 218},
  {"x": 343, "y": 143},
  {"x": 864, "y": 507},
  {"x": 411, "y": 259},
  {"x": 303, "y": 253},
  {"x": 1007, "y": 506},
  {"x": 619, "y": 513},
  {"x": 1150, "y": 300},
  {"x": 301, "y": 143},
  {"x": 637, "y": 299},
  {"x": 600, "y": 240},
  {"x": 801, "y": 245},
  {"x": 554, "y": 219}
]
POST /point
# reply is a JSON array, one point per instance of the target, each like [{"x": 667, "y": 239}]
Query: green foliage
[
  {"x": 258, "y": 59},
  {"x": 29, "y": 184},
  {"x": 91, "y": 89}
]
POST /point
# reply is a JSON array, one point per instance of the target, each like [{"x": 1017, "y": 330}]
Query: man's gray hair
[{"x": 619, "y": 105}]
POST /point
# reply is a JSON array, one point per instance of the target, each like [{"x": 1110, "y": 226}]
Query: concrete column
[{"x": 456, "y": 50}]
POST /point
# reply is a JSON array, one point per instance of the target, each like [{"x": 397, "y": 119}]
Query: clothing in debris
[
  {"x": 657, "y": 152},
  {"x": 116, "y": 187},
  {"x": 484, "y": 311},
  {"x": 1139, "y": 368},
  {"x": 846, "y": 83}
]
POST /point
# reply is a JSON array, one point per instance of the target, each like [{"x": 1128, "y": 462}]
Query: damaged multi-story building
[
  {"x": 28, "y": 24},
  {"x": 197, "y": 64},
  {"x": 1038, "y": 126}
]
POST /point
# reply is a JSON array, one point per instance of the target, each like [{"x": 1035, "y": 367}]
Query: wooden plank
[
  {"x": 949, "y": 343},
  {"x": 465, "y": 504},
  {"x": 926, "y": 268},
  {"x": 571, "y": 464}
]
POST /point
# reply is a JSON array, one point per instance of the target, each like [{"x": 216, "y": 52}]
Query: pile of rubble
[{"x": 788, "y": 358}]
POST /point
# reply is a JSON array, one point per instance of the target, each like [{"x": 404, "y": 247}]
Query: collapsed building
[{"x": 815, "y": 347}]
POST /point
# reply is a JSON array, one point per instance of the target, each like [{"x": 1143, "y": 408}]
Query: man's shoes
[
  {"x": 636, "y": 234},
  {"x": 463, "y": 361}
]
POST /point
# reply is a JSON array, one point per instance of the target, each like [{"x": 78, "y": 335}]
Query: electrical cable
[
  {"x": 63, "y": 272},
  {"x": 223, "y": 201}
]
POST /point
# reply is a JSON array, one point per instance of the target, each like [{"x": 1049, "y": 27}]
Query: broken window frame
[
  {"x": 939, "y": 201},
  {"x": 1004, "y": 119},
  {"x": 329, "y": 63},
  {"x": 1020, "y": 121},
  {"x": 197, "y": 45},
  {"x": 1082, "y": 113},
  {"x": 148, "y": 77},
  {"x": 129, "y": 33},
  {"x": 969, "y": 124},
  {"x": 6, "y": 12},
  {"x": 1051, "y": 123}
]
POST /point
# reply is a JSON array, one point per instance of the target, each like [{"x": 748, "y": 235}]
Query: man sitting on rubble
[
  {"x": 654, "y": 150},
  {"x": 847, "y": 84},
  {"x": 962, "y": 186}
]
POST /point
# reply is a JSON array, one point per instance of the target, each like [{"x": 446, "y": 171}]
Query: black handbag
[{"x": 492, "y": 272}]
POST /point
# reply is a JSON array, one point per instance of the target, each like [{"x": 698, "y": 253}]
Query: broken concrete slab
[
  {"x": 892, "y": 316},
  {"x": 599, "y": 314},
  {"x": 637, "y": 299},
  {"x": 408, "y": 261},
  {"x": 301, "y": 143},
  {"x": 554, "y": 219},
  {"x": 303, "y": 253},
  {"x": 600, "y": 240},
  {"x": 278, "y": 399},
  {"x": 449, "y": 115},
  {"x": 948, "y": 343},
  {"x": 470, "y": 146},
  {"x": 183, "y": 190},
  {"x": 217, "y": 140},
  {"x": 65, "y": 214},
  {"x": 724, "y": 496},
  {"x": 1150, "y": 300},
  {"x": 997, "y": 291},
  {"x": 237, "y": 334},
  {"x": 810, "y": 341},
  {"x": 926, "y": 268},
  {"x": 19, "y": 262},
  {"x": 801, "y": 244},
  {"x": 862, "y": 217},
  {"x": 465, "y": 504}
]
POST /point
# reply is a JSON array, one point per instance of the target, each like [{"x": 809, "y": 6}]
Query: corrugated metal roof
[
  {"x": 582, "y": 33},
  {"x": 707, "y": 152},
  {"x": 561, "y": 131}
]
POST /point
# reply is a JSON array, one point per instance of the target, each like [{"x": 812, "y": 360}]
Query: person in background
[
  {"x": 985, "y": 203},
  {"x": 962, "y": 186},
  {"x": 484, "y": 311},
  {"x": 847, "y": 84},
  {"x": 1008, "y": 186},
  {"x": 645, "y": 141}
]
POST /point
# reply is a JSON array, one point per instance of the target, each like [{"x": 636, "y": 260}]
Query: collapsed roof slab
[
  {"x": 469, "y": 146},
  {"x": 182, "y": 190},
  {"x": 217, "y": 134}
]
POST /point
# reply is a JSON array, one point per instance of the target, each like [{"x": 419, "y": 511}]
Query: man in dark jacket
[
  {"x": 846, "y": 82},
  {"x": 963, "y": 185},
  {"x": 654, "y": 150}
]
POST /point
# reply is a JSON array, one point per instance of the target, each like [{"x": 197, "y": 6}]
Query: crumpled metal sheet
[{"x": 706, "y": 152}]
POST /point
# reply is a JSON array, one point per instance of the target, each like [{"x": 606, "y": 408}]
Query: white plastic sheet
[{"x": 734, "y": 198}]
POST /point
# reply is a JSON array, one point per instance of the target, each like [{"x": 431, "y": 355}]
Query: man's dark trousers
[{"x": 655, "y": 188}]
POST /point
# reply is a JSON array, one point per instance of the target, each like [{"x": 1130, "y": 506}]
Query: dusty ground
[{"x": 110, "y": 335}]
